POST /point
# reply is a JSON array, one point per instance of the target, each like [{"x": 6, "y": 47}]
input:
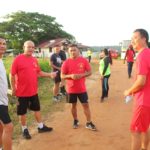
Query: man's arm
[
  {"x": 66, "y": 76},
  {"x": 138, "y": 85},
  {"x": 87, "y": 73},
  {"x": 12, "y": 83},
  {"x": 76, "y": 76},
  {"x": 47, "y": 74},
  {"x": 125, "y": 57},
  {"x": 53, "y": 66}
]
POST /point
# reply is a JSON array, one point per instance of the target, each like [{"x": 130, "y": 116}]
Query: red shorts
[{"x": 141, "y": 119}]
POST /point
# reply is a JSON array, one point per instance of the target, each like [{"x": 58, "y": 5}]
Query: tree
[{"x": 21, "y": 26}]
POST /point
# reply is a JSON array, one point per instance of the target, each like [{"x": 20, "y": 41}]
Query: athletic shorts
[
  {"x": 4, "y": 116},
  {"x": 31, "y": 103},
  {"x": 57, "y": 79},
  {"x": 141, "y": 119},
  {"x": 72, "y": 98}
]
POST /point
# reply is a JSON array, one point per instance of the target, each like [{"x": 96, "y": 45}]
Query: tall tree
[{"x": 21, "y": 26}]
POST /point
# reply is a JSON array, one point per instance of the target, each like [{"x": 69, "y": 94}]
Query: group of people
[
  {"x": 25, "y": 71},
  {"x": 24, "y": 74}
]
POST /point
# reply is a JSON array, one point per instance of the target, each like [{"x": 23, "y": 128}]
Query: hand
[
  {"x": 79, "y": 76},
  {"x": 75, "y": 76},
  {"x": 102, "y": 77},
  {"x": 13, "y": 92},
  {"x": 53, "y": 74},
  {"x": 126, "y": 93},
  {"x": 9, "y": 91}
]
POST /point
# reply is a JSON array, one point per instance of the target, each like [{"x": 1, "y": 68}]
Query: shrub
[{"x": 44, "y": 65}]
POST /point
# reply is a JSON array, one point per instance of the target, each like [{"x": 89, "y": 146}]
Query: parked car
[{"x": 114, "y": 53}]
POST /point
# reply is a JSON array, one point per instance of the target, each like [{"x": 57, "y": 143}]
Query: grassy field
[{"x": 48, "y": 107}]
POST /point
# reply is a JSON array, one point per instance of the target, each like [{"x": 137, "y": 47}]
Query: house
[{"x": 45, "y": 49}]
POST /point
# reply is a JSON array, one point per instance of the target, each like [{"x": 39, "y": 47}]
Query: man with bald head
[
  {"x": 6, "y": 127},
  {"x": 24, "y": 82}
]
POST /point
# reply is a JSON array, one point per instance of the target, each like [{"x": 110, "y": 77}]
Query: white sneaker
[
  {"x": 60, "y": 96},
  {"x": 56, "y": 99}
]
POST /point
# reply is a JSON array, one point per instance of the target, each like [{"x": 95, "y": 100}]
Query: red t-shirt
[
  {"x": 130, "y": 55},
  {"x": 75, "y": 66},
  {"x": 143, "y": 68},
  {"x": 26, "y": 71}
]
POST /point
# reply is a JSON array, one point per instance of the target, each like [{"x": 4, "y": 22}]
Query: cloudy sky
[{"x": 92, "y": 22}]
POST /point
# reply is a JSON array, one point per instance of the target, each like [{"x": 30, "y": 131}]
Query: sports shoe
[
  {"x": 45, "y": 129},
  {"x": 26, "y": 134},
  {"x": 60, "y": 96},
  {"x": 91, "y": 126},
  {"x": 56, "y": 99},
  {"x": 64, "y": 93},
  {"x": 75, "y": 124}
]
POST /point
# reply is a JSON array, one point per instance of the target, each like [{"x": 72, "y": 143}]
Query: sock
[
  {"x": 24, "y": 127},
  {"x": 40, "y": 125}
]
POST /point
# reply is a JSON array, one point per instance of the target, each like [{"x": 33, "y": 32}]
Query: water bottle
[{"x": 128, "y": 99}]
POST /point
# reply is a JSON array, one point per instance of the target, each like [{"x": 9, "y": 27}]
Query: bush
[{"x": 44, "y": 65}]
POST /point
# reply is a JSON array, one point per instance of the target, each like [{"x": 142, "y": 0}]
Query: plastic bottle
[{"x": 128, "y": 99}]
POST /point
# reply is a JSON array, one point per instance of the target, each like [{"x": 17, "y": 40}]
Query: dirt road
[{"x": 112, "y": 119}]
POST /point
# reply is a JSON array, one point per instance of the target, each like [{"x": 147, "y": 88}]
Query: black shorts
[
  {"x": 72, "y": 98},
  {"x": 31, "y": 103},
  {"x": 4, "y": 116},
  {"x": 57, "y": 79}
]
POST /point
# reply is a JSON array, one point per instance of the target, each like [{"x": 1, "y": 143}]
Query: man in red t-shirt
[
  {"x": 129, "y": 57},
  {"x": 24, "y": 82},
  {"x": 74, "y": 70},
  {"x": 141, "y": 90}
]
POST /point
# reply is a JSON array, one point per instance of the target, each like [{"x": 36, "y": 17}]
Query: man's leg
[
  {"x": 135, "y": 141},
  {"x": 87, "y": 111},
  {"x": 62, "y": 87},
  {"x": 74, "y": 111},
  {"x": 89, "y": 124},
  {"x": 38, "y": 117},
  {"x": 7, "y": 136},
  {"x": 25, "y": 131},
  {"x": 1, "y": 133},
  {"x": 22, "y": 119},
  {"x": 56, "y": 89},
  {"x": 145, "y": 141},
  {"x": 129, "y": 69}
]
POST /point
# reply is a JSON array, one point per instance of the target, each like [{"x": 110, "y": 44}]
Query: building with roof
[{"x": 45, "y": 48}]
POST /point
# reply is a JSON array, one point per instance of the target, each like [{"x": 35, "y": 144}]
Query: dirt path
[{"x": 112, "y": 118}]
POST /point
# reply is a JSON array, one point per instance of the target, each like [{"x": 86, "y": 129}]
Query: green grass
[{"x": 48, "y": 107}]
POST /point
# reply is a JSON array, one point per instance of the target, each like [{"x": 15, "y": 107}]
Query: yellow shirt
[{"x": 89, "y": 53}]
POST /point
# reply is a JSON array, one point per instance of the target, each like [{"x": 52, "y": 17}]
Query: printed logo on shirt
[
  {"x": 35, "y": 66},
  {"x": 58, "y": 60},
  {"x": 81, "y": 66}
]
